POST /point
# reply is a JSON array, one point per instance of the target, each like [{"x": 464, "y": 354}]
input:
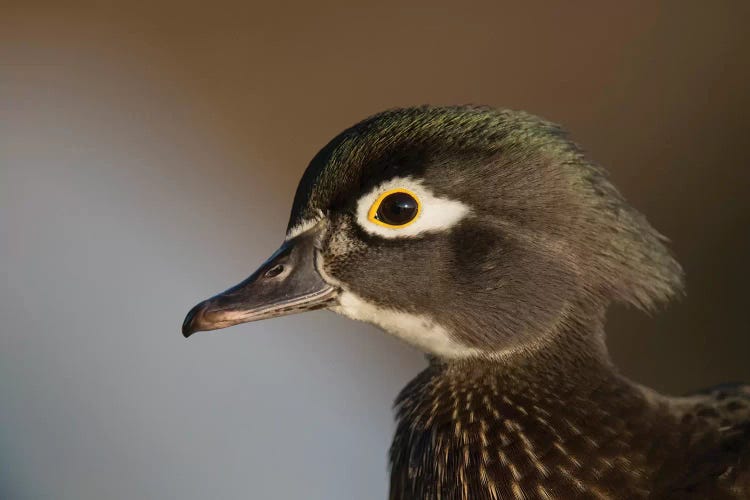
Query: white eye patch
[{"x": 435, "y": 213}]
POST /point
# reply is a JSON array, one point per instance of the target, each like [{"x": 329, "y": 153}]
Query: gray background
[{"x": 148, "y": 158}]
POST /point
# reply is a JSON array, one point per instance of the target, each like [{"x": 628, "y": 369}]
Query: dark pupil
[{"x": 397, "y": 209}]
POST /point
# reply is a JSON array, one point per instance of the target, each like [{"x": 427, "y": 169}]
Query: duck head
[{"x": 465, "y": 231}]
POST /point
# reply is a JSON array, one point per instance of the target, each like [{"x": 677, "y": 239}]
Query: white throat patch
[
  {"x": 436, "y": 213},
  {"x": 417, "y": 330}
]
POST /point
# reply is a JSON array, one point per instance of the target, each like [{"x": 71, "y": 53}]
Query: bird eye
[{"x": 395, "y": 208}]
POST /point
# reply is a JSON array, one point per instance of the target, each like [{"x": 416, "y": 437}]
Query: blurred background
[{"x": 149, "y": 156}]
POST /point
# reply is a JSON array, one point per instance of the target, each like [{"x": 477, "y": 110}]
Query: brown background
[{"x": 148, "y": 157}]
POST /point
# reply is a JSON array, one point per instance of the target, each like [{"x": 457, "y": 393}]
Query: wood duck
[{"x": 487, "y": 240}]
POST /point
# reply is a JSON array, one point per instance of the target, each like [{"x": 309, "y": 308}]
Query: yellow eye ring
[{"x": 395, "y": 208}]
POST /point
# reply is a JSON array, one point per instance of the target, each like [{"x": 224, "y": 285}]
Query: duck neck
[
  {"x": 570, "y": 364},
  {"x": 512, "y": 419}
]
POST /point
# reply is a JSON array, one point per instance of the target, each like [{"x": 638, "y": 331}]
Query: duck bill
[{"x": 287, "y": 283}]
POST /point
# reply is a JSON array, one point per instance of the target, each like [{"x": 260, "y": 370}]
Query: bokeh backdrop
[{"x": 148, "y": 158}]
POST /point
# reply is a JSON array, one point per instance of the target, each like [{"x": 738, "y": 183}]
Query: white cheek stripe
[
  {"x": 437, "y": 214},
  {"x": 417, "y": 330}
]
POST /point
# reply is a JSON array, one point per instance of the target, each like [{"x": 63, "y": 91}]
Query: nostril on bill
[{"x": 274, "y": 271}]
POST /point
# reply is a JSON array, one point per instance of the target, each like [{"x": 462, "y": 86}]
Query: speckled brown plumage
[{"x": 559, "y": 422}]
